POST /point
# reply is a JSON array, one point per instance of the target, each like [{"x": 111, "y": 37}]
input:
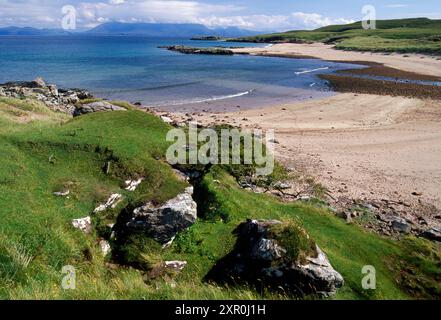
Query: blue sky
[{"x": 261, "y": 15}]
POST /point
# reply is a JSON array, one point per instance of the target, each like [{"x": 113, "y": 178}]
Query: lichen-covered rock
[
  {"x": 277, "y": 255},
  {"x": 59, "y": 100},
  {"x": 319, "y": 273},
  {"x": 53, "y": 90},
  {"x": 175, "y": 265},
  {"x": 164, "y": 222},
  {"x": 99, "y": 106},
  {"x": 62, "y": 193},
  {"x": 400, "y": 225},
  {"x": 267, "y": 250},
  {"x": 132, "y": 185},
  {"x": 167, "y": 119},
  {"x": 111, "y": 203},
  {"x": 105, "y": 247},
  {"x": 83, "y": 224},
  {"x": 39, "y": 82}
]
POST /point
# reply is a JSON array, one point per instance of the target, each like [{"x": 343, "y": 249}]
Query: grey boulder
[
  {"x": 400, "y": 225},
  {"x": 99, "y": 106},
  {"x": 259, "y": 258},
  {"x": 164, "y": 222}
]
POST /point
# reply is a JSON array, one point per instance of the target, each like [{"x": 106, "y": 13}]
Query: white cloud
[
  {"x": 296, "y": 20},
  {"x": 396, "y": 5},
  {"x": 90, "y": 14}
]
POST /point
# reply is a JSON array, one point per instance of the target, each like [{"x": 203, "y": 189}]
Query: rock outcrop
[
  {"x": 433, "y": 234},
  {"x": 111, "y": 203},
  {"x": 105, "y": 247},
  {"x": 98, "y": 106},
  {"x": 260, "y": 254},
  {"x": 192, "y": 50},
  {"x": 60, "y": 100},
  {"x": 164, "y": 222},
  {"x": 132, "y": 185},
  {"x": 83, "y": 224}
]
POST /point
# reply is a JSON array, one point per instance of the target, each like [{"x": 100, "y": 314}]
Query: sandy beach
[
  {"x": 416, "y": 63},
  {"x": 359, "y": 146}
]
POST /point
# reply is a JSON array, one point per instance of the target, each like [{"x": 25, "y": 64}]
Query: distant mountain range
[
  {"x": 167, "y": 30},
  {"x": 28, "y": 31},
  {"x": 140, "y": 29}
]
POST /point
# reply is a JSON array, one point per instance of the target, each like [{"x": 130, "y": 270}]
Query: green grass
[
  {"x": 51, "y": 152},
  {"x": 348, "y": 246},
  {"x": 122, "y": 104},
  {"x": 41, "y": 157},
  {"x": 404, "y": 36}
]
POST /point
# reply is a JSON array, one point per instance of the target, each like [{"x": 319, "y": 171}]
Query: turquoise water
[{"x": 135, "y": 69}]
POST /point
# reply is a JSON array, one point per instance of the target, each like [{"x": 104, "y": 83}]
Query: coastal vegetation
[
  {"x": 420, "y": 35},
  {"x": 46, "y": 152}
]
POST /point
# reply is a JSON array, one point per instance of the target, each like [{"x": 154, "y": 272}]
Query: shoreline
[
  {"x": 412, "y": 67},
  {"x": 376, "y": 147},
  {"x": 381, "y": 149},
  {"x": 396, "y": 82},
  {"x": 411, "y": 63}
]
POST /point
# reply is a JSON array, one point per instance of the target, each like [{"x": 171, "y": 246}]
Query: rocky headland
[{"x": 206, "y": 51}]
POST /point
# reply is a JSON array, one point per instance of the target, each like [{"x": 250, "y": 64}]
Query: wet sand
[
  {"x": 414, "y": 63},
  {"x": 341, "y": 84}
]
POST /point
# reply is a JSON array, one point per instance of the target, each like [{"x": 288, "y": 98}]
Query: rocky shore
[
  {"x": 206, "y": 51},
  {"x": 70, "y": 101}
]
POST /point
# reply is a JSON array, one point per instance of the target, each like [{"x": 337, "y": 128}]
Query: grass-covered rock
[{"x": 275, "y": 255}]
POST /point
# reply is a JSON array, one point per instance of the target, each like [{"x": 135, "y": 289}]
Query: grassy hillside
[
  {"x": 420, "y": 35},
  {"x": 43, "y": 152}
]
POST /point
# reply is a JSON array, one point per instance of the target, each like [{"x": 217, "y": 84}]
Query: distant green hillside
[
  {"x": 420, "y": 35},
  {"x": 388, "y": 24}
]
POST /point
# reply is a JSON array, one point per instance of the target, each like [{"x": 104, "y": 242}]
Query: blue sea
[{"x": 136, "y": 70}]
